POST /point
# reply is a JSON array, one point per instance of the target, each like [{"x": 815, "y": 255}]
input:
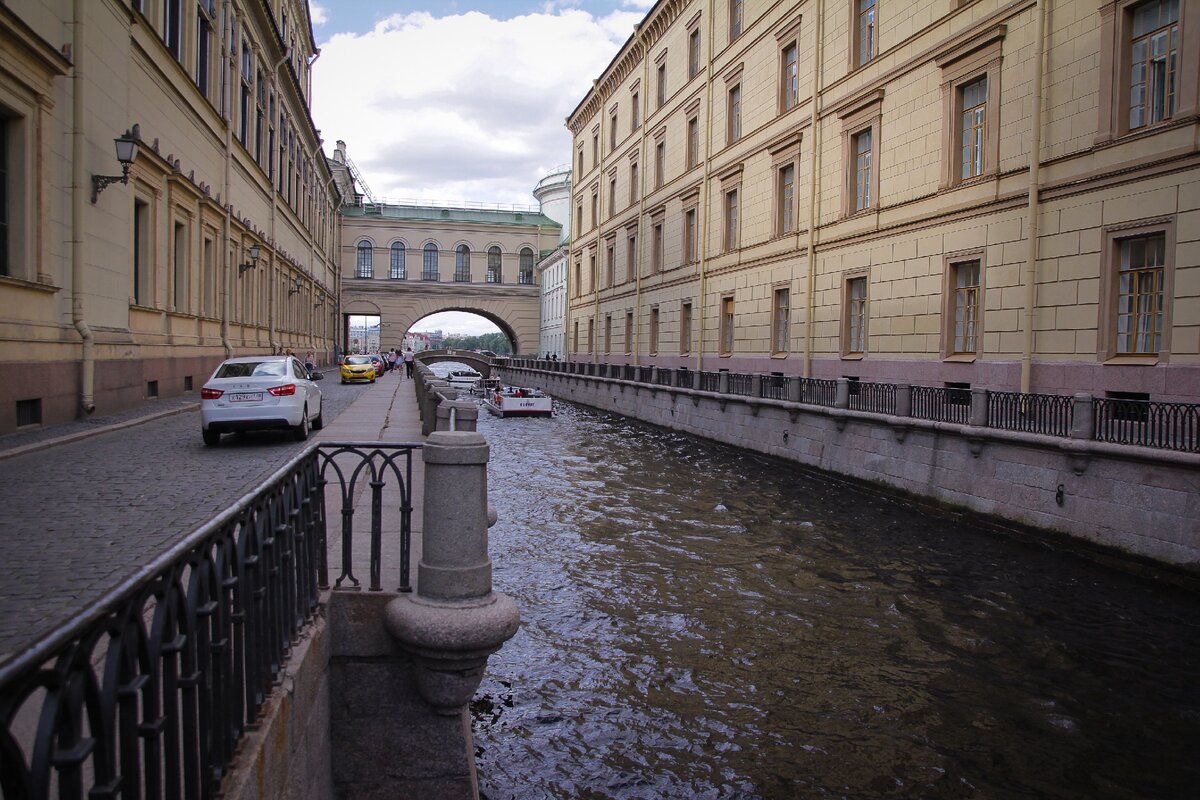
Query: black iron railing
[
  {"x": 818, "y": 391},
  {"x": 1172, "y": 426},
  {"x": 1050, "y": 414},
  {"x": 879, "y": 398},
  {"x": 148, "y": 691},
  {"x": 775, "y": 387},
  {"x": 710, "y": 381},
  {"x": 940, "y": 404},
  {"x": 741, "y": 384}
]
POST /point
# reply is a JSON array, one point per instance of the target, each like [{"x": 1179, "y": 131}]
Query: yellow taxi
[{"x": 358, "y": 368}]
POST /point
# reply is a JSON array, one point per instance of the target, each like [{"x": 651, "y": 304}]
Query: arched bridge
[{"x": 480, "y": 363}]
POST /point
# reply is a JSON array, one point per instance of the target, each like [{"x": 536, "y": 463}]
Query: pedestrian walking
[
  {"x": 310, "y": 361},
  {"x": 408, "y": 362}
]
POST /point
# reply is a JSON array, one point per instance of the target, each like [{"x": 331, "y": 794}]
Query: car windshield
[
  {"x": 248, "y": 369},
  {"x": 358, "y": 360}
]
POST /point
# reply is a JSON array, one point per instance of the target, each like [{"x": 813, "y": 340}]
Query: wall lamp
[
  {"x": 320, "y": 301},
  {"x": 127, "y": 150},
  {"x": 295, "y": 287},
  {"x": 254, "y": 253}
]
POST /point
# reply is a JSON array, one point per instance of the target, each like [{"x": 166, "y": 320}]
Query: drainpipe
[
  {"x": 641, "y": 242},
  {"x": 1035, "y": 190},
  {"x": 227, "y": 287},
  {"x": 87, "y": 390},
  {"x": 599, "y": 229},
  {"x": 275, "y": 345},
  {"x": 706, "y": 201},
  {"x": 813, "y": 194}
]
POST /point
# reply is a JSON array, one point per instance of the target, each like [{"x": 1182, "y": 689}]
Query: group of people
[{"x": 393, "y": 359}]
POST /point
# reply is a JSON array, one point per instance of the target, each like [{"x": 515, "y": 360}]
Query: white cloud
[
  {"x": 462, "y": 107},
  {"x": 319, "y": 14}
]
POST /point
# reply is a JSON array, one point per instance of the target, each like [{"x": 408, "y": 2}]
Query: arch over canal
[{"x": 480, "y": 363}]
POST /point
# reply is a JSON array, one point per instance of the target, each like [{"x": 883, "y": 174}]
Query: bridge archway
[
  {"x": 480, "y": 363},
  {"x": 401, "y": 304}
]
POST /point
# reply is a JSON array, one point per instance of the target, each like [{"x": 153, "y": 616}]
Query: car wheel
[
  {"x": 301, "y": 430},
  {"x": 344, "y": 381},
  {"x": 319, "y": 422},
  {"x": 211, "y": 438}
]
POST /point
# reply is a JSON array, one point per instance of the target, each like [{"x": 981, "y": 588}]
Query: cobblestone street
[{"x": 78, "y": 517}]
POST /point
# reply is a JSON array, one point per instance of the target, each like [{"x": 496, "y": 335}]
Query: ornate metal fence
[
  {"x": 775, "y": 387},
  {"x": 740, "y": 384},
  {"x": 940, "y": 404},
  {"x": 710, "y": 381},
  {"x": 879, "y": 398},
  {"x": 818, "y": 391},
  {"x": 1050, "y": 414},
  {"x": 147, "y": 692},
  {"x": 1172, "y": 426}
]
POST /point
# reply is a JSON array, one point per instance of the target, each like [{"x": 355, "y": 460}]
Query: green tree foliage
[{"x": 496, "y": 342}]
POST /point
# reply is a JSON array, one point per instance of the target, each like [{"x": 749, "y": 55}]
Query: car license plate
[{"x": 245, "y": 397}]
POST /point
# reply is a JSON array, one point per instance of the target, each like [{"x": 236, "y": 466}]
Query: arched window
[
  {"x": 398, "y": 272},
  {"x": 493, "y": 272},
  {"x": 365, "y": 263},
  {"x": 462, "y": 263},
  {"x": 525, "y": 276},
  {"x": 429, "y": 269}
]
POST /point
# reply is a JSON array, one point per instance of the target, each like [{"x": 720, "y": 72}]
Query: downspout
[
  {"x": 227, "y": 288},
  {"x": 88, "y": 379},
  {"x": 1035, "y": 190},
  {"x": 813, "y": 194},
  {"x": 637, "y": 264},
  {"x": 704, "y": 191},
  {"x": 599, "y": 228},
  {"x": 275, "y": 345}
]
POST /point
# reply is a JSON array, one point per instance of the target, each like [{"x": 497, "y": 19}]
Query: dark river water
[{"x": 700, "y": 622}]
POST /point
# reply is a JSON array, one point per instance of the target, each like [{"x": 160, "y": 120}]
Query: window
[
  {"x": 578, "y": 277},
  {"x": 525, "y": 267},
  {"x": 693, "y": 142},
  {"x": 790, "y": 78},
  {"x": 656, "y": 247},
  {"x": 628, "y": 332},
  {"x": 595, "y": 148},
  {"x": 365, "y": 260},
  {"x": 462, "y": 263},
  {"x": 635, "y": 120},
  {"x": 685, "y": 328},
  {"x": 862, "y": 151},
  {"x": 965, "y": 276},
  {"x": 1152, "y": 57},
  {"x": 735, "y": 18},
  {"x": 247, "y": 83},
  {"x": 971, "y": 98},
  {"x": 726, "y": 326},
  {"x": 694, "y": 53},
  {"x": 205, "y": 25},
  {"x": 854, "y": 331},
  {"x": 785, "y": 203},
  {"x": 612, "y": 196},
  {"x": 173, "y": 27},
  {"x": 575, "y": 338},
  {"x": 731, "y": 220},
  {"x": 654, "y": 331},
  {"x": 780, "y": 317},
  {"x": 634, "y": 188},
  {"x": 179, "y": 260},
  {"x": 660, "y": 96},
  {"x": 208, "y": 277},
  {"x": 143, "y": 266},
  {"x": 1138, "y": 272},
  {"x": 610, "y": 264},
  {"x": 593, "y": 277},
  {"x": 595, "y": 207},
  {"x": 579, "y": 158},
  {"x": 397, "y": 271},
  {"x": 429, "y": 263},
  {"x": 734, "y": 112},
  {"x": 689, "y": 236},
  {"x": 612, "y": 131},
  {"x": 591, "y": 335},
  {"x": 608, "y": 333},
  {"x": 579, "y": 216},
  {"x": 865, "y": 41},
  {"x": 5, "y": 268},
  {"x": 660, "y": 163},
  {"x": 493, "y": 265},
  {"x": 631, "y": 256},
  {"x": 974, "y": 113}
]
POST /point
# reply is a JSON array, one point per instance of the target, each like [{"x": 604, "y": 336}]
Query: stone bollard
[
  {"x": 842, "y": 397},
  {"x": 795, "y": 387},
  {"x": 696, "y": 380},
  {"x": 457, "y": 415},
  {"x": 904, "y": 400},
  {"x": 1083, "y": 417},
  {"x": 435, "y": 392},
  {"x": 979, "y": 407},
  {"x": 454, "y": 621},
  {"x": 756, "y": 385}
]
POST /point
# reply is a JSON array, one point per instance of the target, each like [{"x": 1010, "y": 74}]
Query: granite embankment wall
[{"x": 1136, "y": 499}]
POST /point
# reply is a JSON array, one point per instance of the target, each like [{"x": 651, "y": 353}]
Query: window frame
[
  {"x": 789, "y": 79},
  {"x": 364, "y": 259},
  {"x": 849, "y": 315},
  {"x": 733, "y": 113},
  {"x": 961, "y": 66},
  {"x": 685, "y": 327},
  {"x": 495, "y": 265},
  {"x": 694, "y": 56},
  {"x": 652, "y": 336},
  {"x": 1116, "y": 26},
  {"x": 430, "y": 271},
  {"x": 629, "y": 333},
  {"x": 397, "y": 272},
  {"x": 859, "y": 116},
  {"x": 462, "y": 263},
  {"x": 737, "y": 19},
  {"x": 785, "y": 204},
  {"x": 781, "y": 320},
  {"x": 525, "y": 266},
  {"x": 726, "y": 326},
  {"x": 950, "y": 293},
  {"x": 858, "y": 57},
  {"x": 1110, "y": 269}
]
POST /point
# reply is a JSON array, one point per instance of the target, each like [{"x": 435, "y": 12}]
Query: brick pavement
[{"x": 86, "y": 503}]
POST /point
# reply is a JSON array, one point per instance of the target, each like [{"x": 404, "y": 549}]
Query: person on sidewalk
[{"x": 408, "y": 362}]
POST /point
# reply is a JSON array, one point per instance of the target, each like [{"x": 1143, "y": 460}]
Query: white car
[{"x": 254, "y": 393}]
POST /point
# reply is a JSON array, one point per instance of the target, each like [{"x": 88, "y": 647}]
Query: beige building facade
[
  {"x": 840, "y": 188},
  {"x": 219, "y": 240},
  {"x": 405, "y": 262}
]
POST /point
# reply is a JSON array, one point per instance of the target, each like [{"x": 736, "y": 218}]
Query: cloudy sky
[{"x": 451, "y": 100}]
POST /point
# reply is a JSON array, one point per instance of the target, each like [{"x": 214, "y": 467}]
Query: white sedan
[{"x": 260, "y": 393}]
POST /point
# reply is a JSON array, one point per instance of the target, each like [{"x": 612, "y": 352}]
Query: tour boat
[
  {"x": 463, "y": 379},
  {"x": 519, "y": 401}
]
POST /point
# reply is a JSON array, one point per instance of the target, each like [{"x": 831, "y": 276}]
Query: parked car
[
  {"x": 380, "y": 366},
  {"x": 260, "y": 393},
  {"x": 358, "y": 368}
]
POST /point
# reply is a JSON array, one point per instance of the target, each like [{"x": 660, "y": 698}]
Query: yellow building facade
[
  {"x": 840, "y": 188},
  {"x": 121, "y": 282}
]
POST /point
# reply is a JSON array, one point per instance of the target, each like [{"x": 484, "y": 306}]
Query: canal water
[{"x": 701, "y": 622}]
